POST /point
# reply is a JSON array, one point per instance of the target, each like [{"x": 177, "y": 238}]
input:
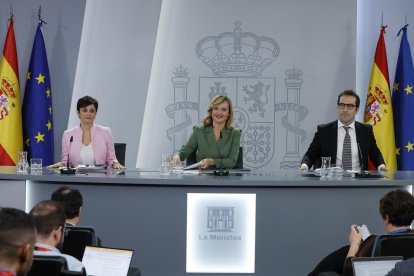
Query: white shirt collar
[{"x": 351, "y": 125}]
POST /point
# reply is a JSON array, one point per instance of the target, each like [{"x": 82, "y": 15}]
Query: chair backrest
[
  {"x": 76, "y": 238},
  {"x": 51, "y": 266},
  {"x": 394, "y": 245},
  {"x": 192, "y": 159},
  {"x": 120, "y": 149},
  {"x": 47, "y": 265}
]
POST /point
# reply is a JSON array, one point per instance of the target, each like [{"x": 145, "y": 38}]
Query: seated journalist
[
  {"x": 49, "y": 217},
  {"x": 217, "y": 141},
  {"x": 17, "y": 239},
  {"x": 397, "y": 212},
  {"x": 345, "y": 140},
  {"x": 88, "y": 143},
  {"x": 72, "y": 201}
]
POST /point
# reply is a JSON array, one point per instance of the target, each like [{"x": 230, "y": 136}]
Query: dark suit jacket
[{"x": 325, "y": 144}]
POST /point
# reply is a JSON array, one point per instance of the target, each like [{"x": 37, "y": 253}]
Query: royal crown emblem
[
  {"x": 237, "y": 53},
  {"x": 7, "y": 97},
  {"x": 376, "y": 106}
]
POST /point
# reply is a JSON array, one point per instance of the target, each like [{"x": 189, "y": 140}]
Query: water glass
[
  {"x": 326, "y": 167},
  {"x": 36, "y": 166},
  {"x": 22, "y": 165},
  {"x": 178, "y": 168},
  {"x": 165, "y": 167},
  {"x": 337, "y": 172}
]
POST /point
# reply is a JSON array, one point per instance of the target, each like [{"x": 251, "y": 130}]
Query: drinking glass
[
  {"x": 337, "y": 172},
  {"x": 178, "y": 168},
  {"x": 35, "y": 165},
  {"x": 326, "y": 167},
  {"x": 22, "y": 164}
]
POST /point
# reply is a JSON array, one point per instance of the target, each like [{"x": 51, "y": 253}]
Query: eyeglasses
[{"x": 348, "y": 106}]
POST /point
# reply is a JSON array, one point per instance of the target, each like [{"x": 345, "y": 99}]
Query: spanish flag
[
  {"x": 11, "y": 137},
  {"x": 378, "y": 108}
]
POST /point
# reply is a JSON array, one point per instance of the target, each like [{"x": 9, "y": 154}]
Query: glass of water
[
  {"x": 326, "y": 167},
  {"x": 36, "y": 166}
]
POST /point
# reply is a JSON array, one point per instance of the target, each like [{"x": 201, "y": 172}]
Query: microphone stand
[
  {"x": 68, "y": 169},
  {"x": 221, "y": 171},
  {"x": 363, "y": 173}
]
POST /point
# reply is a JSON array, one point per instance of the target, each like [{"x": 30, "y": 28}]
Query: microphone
[
  {"x": 70, "y": 145},
  {"x": 68, "y": 169},
  {"x": 221, "y": 172}
]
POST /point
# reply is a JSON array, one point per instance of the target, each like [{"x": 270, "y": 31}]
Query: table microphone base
[
  {"x": 221, "y": 173},
  {"x": 67, "y": 171}
]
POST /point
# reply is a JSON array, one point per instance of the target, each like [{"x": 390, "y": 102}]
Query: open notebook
[
  {"x": 374, "y": 266},
  {"x": 104, "y": 261}
]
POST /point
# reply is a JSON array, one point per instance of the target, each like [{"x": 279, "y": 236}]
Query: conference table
[{"x": 299, "y": 218}]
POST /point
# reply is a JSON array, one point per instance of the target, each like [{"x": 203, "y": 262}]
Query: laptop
[
  {"x": 105, "y": 261},
  {"x": 374, "y": 266}
]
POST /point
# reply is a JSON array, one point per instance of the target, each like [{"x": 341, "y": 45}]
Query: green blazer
[{"x": 224, "y": 152}]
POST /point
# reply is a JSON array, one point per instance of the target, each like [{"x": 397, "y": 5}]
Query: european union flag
[
  {"x": 37, "y": 104},
  {"x": 403, "y": 106}
]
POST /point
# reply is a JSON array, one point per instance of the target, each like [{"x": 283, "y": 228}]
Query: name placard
[{"x": 221, "y": 232}]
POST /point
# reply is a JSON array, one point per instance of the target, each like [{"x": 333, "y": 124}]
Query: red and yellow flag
[
  {"x": 11, "y": 137},
  {"x": 378, "y": 108}
]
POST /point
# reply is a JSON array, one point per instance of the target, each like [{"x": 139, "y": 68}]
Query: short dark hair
[
  {"x": 71, "y": 199},
  {"x": 85, "y": 101},
  {"x": 16, "y": 229},
  {"x": 349, "y": 93},
  {"x": 398, "y": 205},
  {"x": 48, "y": 215}
]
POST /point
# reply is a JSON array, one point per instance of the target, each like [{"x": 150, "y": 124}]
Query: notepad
[{"x": 105, "y": 261}]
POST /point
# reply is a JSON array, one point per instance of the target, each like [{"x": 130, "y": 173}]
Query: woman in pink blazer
[{"x": 88, "y": 143}]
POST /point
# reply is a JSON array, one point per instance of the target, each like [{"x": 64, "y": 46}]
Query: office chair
[
  {"x": 76, "y": 239},
  {"x": 51, "y": 266},
  {"x": 394, "y": 245},
  {"x": 120, "y": 149},
  {"x": 192, "y": 159}
]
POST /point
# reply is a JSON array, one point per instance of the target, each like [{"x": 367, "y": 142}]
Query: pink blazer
[{"x": 102, "y": 145}]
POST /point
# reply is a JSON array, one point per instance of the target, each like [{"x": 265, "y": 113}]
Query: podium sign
[{"x": 221, "y": 232}]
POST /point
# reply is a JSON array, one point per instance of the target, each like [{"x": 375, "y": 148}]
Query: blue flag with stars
[
  {"x": 403, "y": 106},
  {"x": 37, "y": 104}
]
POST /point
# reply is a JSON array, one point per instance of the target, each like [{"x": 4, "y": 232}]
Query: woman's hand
[
  {"x": 117, "y": 165},
  {"x": 56, "y": 165},
  {"x": 206, "y": 163},
  {"x": 175, "y": 159}
]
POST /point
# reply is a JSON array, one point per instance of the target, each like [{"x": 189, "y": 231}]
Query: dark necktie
[{"x": 346, "y": 151}]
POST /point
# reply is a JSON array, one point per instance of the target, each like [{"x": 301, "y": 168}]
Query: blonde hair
[{"x": 217, "y": 100}]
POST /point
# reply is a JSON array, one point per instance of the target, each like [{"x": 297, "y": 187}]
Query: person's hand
[
  {"x": 206, "y": 163},
  {"x": 117, "y": 166},
  {"x": 56, "y": 165},
  {"x": 303, "y": 167},
  {"x": 382, "y": 168},
  {"x": 355, "y": 236},
  {"x": 175, "y": 160}
]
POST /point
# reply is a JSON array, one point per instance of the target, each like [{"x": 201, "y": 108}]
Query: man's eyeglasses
[{"x": 348, "y": 106}]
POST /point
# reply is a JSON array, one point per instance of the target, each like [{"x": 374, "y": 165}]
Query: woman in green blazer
[{"x": 217, "y": 141}]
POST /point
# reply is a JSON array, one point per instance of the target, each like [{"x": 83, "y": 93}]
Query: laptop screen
[
  {"x": 104, "y": 261},
  {"x": 374, "y": 266}
]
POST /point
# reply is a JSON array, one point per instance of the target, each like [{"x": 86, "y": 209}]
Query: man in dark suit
[{"x": 329, "y": 140}]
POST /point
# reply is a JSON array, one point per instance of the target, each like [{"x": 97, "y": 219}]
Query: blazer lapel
[{"x": 334, "y": 141}]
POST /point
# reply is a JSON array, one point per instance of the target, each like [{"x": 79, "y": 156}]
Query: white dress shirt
[{"x": 356, "y": 166}]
